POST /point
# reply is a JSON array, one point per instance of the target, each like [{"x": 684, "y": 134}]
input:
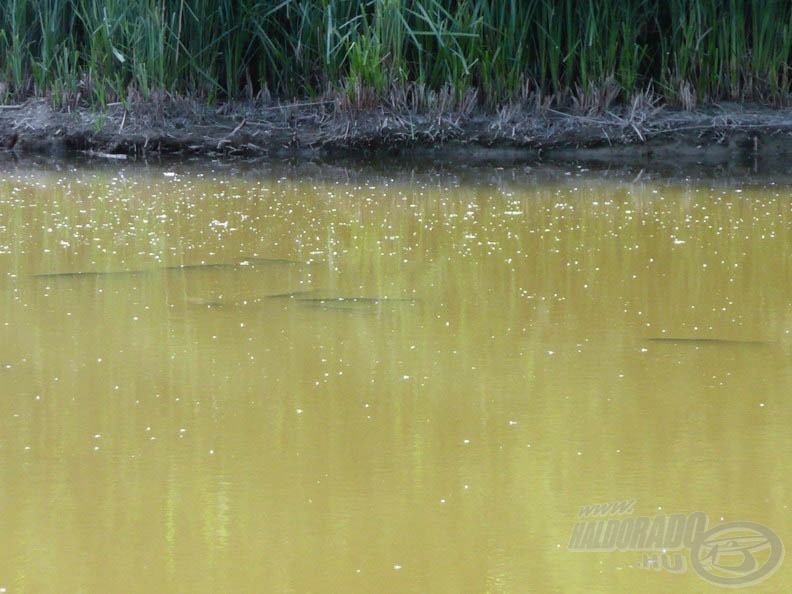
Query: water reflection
[{"x": 487, "y": 370}]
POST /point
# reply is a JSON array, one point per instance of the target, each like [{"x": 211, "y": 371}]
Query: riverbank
[{"x": 724, "y": 132}]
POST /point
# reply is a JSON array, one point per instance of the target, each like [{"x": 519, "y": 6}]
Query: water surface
[{"x": 386, "y": 380}]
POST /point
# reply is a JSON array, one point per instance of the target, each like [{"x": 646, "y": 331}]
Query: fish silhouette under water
[
  {"x": 712, "y": 341},
  {"x": 239, "y": 264}
]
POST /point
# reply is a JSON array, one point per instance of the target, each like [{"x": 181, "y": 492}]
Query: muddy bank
[{"x": 725, "y": 133}]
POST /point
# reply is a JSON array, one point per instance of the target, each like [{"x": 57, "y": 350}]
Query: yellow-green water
[{"x": 180, "y": 431}]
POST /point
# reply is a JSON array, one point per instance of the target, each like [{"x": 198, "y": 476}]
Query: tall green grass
[{"x": 116, "y": 50}]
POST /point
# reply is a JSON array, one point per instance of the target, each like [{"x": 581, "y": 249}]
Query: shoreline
[{"x": 745, "y": 134}]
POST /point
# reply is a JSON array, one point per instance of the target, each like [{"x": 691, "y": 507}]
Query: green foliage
[{"x": 87, "y": 50}]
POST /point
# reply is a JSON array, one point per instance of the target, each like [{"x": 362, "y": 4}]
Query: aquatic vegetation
[{"x": 427, "y": 52}]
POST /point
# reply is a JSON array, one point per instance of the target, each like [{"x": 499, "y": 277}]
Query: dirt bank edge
[{"x": 722, "y": 132}]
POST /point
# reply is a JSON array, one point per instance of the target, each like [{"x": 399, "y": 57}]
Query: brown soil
[{"x": 745, "y": 134}]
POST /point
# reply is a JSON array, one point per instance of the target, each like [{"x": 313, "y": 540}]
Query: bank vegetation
[{"x": 461, "y": 54}]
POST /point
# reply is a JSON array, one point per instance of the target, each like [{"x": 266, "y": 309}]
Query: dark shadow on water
[{"x": 458, "y": 164}]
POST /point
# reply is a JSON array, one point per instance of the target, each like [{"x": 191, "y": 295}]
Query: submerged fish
[
  {"x": 244, "y": 302},
  {"x": 366, "y": 300},
  {"x": 240, "y": 264},
  {"x": 255, "y": 261},
  {"x": 689, "y": 340},
  {"x": 201, "y": 301},
  {"x": 90, "y": 273},
  {"x": 355, "y": 302},
  {"x": 217, "y": 266},
  {"x": 292, "y": 295}
]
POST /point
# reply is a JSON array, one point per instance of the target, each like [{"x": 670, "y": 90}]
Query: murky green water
[{"x": 200, "y": 430}]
